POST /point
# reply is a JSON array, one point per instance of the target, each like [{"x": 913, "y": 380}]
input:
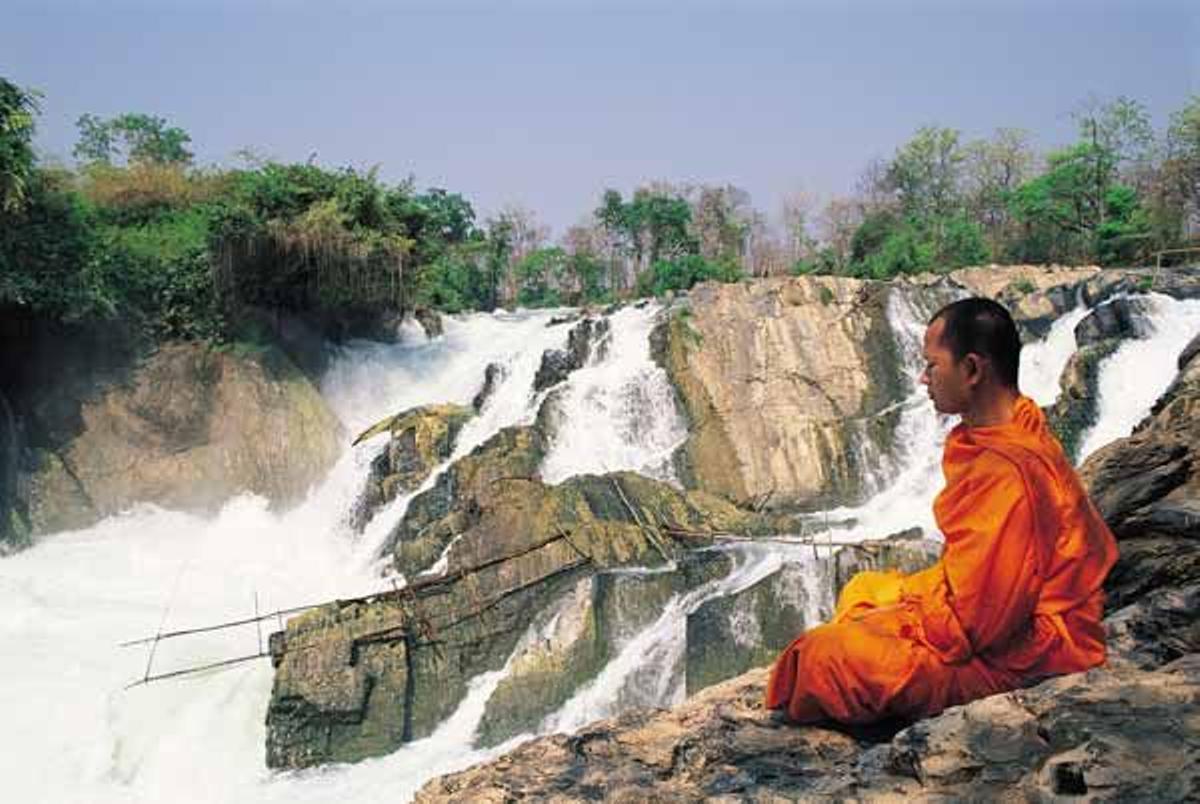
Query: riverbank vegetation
[{"x": 136, "y": 231}]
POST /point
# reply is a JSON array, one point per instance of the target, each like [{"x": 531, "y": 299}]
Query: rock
[
  {"x": 1098, "y": 335},
  {"x": 499, "y": 548},
  {"x": 1147, "y": 487},
  {"x": 1111, "y": 734},
  {"x": 785, "y": 383},
  {"x": 430, "y": 321},
  {"x": 1076, "y": 409},
  {"x": 420, "y": 440},
  {"x": 14, "y": 520},
  {"x": 729, "y": 635},
  {"x": 493, "y": 375},
  {"x": 192, "y": 427},
  {"x": 586, "y": 337},
  {"x": 577, "y": 637},
  {"x": 1119, "y": 318},
  {"x": 1158, "y": 628},
  {"x": 1035, "y": 295}
]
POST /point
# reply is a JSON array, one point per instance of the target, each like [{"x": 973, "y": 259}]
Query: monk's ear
[{"x": 972, "y": 368}]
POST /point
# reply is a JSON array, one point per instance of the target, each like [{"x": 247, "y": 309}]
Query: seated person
[{"x": 1017, "y": 594}]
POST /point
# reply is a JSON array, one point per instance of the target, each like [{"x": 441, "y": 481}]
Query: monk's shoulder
[{"x": 992, "y": 471}]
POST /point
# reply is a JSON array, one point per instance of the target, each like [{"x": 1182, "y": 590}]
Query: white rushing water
[
  {"x": 1135, "y": 375},
  {"x": 74, "y": 733},
  {"x": 617, "y": 412}
]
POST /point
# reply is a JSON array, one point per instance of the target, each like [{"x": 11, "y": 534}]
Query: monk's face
[{"x": 946, "y": 377}]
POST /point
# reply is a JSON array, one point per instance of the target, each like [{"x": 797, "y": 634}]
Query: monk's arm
[{"x": 988, "y": 581}]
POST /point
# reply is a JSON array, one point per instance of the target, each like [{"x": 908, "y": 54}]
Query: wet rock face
[
  {"x": 585, "y": 338},
  {"x": 729, "y": 635},
  {"x": 784, "y": 382},
  {"x": 488, "y": 551},
  {"x": 1119, "y": 318},
  {"x": 191, "y": 428},
  {"x": 1098, "y": 335},
  {"x": 576, "y": 637},
  {"x": 418, "y": 441},
  {"x": 493, "y": 375}
]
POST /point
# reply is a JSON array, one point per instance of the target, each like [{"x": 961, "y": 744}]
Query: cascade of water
[
  {"x": 618, "y": 412},
  {"x": 648, "y": 668},
  {"x": 1135, "y": 375},
  {"x": 1043, "y": 361},
  {"x": 66, "y": 603}
]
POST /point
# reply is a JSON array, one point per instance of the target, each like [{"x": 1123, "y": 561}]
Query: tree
[
  {"x": 18, "y": 112},
  {"x": 1076, "y": 209},
  {"x": 1176, "y": 193},
  {"x": 836, "y": 226},
  {"x": 135, "y": 138},
  {"x": 993, "y": 169},
  {"x": 926, "y": 172}
]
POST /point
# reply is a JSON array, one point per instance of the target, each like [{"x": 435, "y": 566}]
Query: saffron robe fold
[{"x": 1015, "y": 597}]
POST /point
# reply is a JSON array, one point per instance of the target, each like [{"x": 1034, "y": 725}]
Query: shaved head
[{"x": 982, "y": 327}]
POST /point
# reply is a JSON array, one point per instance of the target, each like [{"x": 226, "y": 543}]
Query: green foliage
[
  {"x": 925, "y": 174},
  {"x": 133, "y": 138},
  {"x": 885, "y": 246},
  {"x": 682, "y": 273},
  {"x": 18, "y": 112},
  {"x": 1024, "y": 286},
  {"x": 1076, "y": 210},
  {"x": 540, "y": 276}
]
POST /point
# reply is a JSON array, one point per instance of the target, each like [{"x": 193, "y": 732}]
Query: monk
[{"x": 1017, "y": 593}]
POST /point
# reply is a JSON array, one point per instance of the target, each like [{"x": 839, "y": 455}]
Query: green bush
[{"x": 682, "y": 273}]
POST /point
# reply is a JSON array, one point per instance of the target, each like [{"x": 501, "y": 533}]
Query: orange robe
[{"x": 1015, "y": 597}]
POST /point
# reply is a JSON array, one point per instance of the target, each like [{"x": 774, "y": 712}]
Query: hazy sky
[{"x": 544, "y": 104}]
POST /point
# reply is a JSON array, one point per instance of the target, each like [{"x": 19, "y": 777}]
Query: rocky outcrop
[
  {"x": 1118, "y": 734},
  {"x": 586, "y": 337},
  {"x": 191, "y": 428},
  {"x": 14, "y": 523},
  {"x": 419, "y": 440},
  {"x": 1098, "y": 335},
  {"x": 1036, "y": 295},
  {"x": 493, "y": 375},
  {"x": 1147, "y": 486},
  {"x": 491, "y": 554},
  {"x": 785, "y": 383}
]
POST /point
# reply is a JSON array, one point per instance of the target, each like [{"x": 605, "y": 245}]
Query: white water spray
[{"x": 1134, "y": 376}]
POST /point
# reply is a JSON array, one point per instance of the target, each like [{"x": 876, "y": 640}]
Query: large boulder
[
  {"x": 787, "y": 383},
  {"x": 419, "y": 440},
  {"x": 190, "y": 428}
]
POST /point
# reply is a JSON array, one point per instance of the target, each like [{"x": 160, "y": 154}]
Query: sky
[{"x": 545, "y": 104}]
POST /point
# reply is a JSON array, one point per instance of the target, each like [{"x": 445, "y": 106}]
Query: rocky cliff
[
  {"x": 189, "y": 428},
  {"x": 786, "y": 384}
]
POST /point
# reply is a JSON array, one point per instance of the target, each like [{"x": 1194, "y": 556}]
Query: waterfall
[
  {"x": 1135, "y": 375},
  {"x": 618, "y": 412},
  {"x": 77, "y": 734},
  {"x": 648, "y": 668},
  {"x": 66, "y": 603}
]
